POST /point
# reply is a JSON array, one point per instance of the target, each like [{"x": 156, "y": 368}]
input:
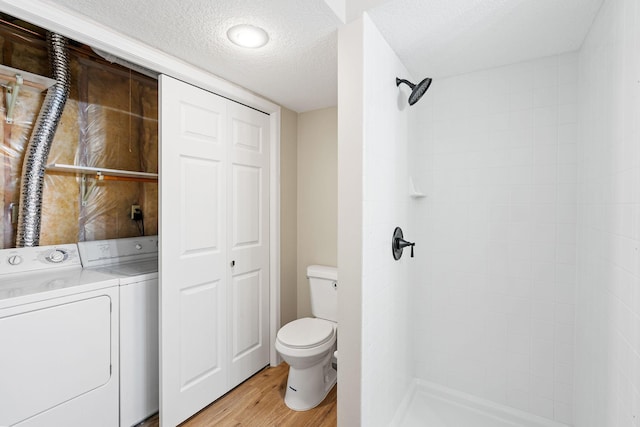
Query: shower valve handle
[
  {"x": 398, "y": 243},
  {"x": 401, "y": 243}
]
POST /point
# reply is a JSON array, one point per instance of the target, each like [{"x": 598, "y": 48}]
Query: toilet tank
[{"x": 323, "y": 282}]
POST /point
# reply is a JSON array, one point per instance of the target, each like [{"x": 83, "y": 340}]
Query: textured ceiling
[{"x": 297, "y": 68}]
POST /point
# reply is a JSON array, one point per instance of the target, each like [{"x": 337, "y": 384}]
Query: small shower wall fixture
[{"x": 416, "y": 90}]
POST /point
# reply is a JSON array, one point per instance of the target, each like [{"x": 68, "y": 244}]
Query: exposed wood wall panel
[{"x": 110, "y": 120}]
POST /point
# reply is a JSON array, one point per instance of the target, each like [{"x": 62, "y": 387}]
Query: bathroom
[{"x": 523, "y": 289}]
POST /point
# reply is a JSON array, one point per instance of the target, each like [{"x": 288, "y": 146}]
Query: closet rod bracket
[{"x": 12, "y": 92}]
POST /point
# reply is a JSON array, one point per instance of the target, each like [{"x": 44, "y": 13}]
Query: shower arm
[{"x": 407, "y": 82}]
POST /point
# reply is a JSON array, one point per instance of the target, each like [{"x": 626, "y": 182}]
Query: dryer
[
  {"x": 59, "y": 334},
  {"x": 135, "y": 262}
]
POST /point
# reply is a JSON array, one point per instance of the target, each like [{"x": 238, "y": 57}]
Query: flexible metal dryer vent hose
[{"x": 37, "y": 152}]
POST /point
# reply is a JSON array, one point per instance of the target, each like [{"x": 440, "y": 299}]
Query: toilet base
[{"x": 306, "y": 388}]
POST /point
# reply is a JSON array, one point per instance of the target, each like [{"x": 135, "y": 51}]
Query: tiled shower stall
[
  {"x": 497, "y": 292},
  {"x": 525, "y": 288}
]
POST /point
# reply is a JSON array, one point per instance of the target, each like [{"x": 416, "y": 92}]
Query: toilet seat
[{"x": 306, "y": 333}]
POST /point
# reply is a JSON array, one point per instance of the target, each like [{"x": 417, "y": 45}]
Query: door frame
[{"x": 77, "y": 27}]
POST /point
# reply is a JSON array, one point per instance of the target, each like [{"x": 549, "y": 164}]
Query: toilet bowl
[{"x": 307, "y": 345}]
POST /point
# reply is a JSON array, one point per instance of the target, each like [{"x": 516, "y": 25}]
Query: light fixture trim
[{"x": 247, "y": 35}]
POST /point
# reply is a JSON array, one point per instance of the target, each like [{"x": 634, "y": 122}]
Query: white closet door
[
  {"x": 193, "y": 265},
  {"x": 248, "y": 241}
]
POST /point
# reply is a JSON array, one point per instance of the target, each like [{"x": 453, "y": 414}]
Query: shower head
[{"x": 416, "y": 90}]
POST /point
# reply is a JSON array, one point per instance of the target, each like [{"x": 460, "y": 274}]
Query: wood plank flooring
[{"x": 258, "y": 402}]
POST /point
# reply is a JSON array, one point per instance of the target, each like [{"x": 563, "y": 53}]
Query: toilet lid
[{"x": 306, "y": 332}]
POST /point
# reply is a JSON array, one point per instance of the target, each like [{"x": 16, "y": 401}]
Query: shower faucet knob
[{"x": 398, "y": 244}]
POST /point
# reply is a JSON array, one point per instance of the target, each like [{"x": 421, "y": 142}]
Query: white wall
[
  {"x": 317, "y": 197},
  {"x": 607, "y": 391},
  {"x": 493, "y": 298},
  {"x": 350, "y": 182},
  {"x": 373, "y": 200},
  {"x": 386, "y": 370}
]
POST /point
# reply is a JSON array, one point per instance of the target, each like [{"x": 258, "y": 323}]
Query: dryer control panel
[
  {"x": 100, "y": 253},
  {"x": 21, "y": 260}
]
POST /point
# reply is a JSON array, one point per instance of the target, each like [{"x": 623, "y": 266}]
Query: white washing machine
[
  {"x": 135, "y": 262},
  {"x": 58, "y": 340}
]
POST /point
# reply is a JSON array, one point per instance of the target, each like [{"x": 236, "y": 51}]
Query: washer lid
[{"x": 305, "y": 333}]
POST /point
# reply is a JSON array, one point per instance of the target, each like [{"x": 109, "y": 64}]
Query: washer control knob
[
  {"x": 14, "y": 259},
  {"x": 57, "y": 255},
  {"x": 138, "y": 246}
]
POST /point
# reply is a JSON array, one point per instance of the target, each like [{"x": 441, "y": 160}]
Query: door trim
[{"x": 73, "y": 25}]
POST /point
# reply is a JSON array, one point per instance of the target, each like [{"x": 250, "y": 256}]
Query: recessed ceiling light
[{"x": 246, "y": 35}]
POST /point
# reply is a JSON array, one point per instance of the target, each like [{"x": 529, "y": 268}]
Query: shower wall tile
[
  {"x": 607, "y": 363},
  {"x": 385, "y": 292},
  {"x": 496, "y": 315}
]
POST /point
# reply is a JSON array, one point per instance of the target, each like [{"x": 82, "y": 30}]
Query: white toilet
[{"x": 307, "y": 344}]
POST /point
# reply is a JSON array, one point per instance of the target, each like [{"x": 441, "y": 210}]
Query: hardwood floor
[{"x": 258, "y": 402}]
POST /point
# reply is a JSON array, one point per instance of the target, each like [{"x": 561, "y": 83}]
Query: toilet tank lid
[{"x": 322, "y": 272}]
